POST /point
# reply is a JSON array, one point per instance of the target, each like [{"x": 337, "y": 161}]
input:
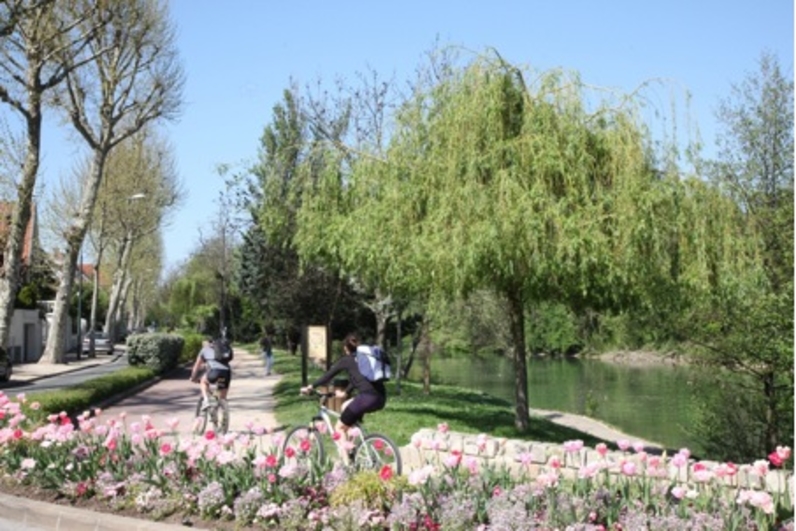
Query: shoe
[{"x": 205, "y": 405}]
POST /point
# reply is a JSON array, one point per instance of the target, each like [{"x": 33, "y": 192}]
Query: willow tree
[{"x": 539, "y": 192}]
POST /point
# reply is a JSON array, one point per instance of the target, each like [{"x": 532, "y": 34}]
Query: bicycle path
[{"x": 174, "y": 397}]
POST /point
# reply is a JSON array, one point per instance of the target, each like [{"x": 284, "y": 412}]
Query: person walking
[{"x": 266, "y": 348}]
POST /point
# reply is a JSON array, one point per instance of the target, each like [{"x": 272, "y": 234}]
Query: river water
[{"x": 653, "y": 403}]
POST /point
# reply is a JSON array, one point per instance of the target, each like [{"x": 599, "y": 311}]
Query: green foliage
[
  {"x": 494, "y": 183},
  {"x": 28, "y": 297},
  {"x": 83, "y": 396},
  {"x": 191, "y": 346},
  {"x": 744, "y": 325},
  {"x": 746, "y": 338},
  {"x": 159, "y": 352},
  {"x": 730, "y": 425},
  {"x": 552, "y": 329},
  {"x": 370, "y": 489}
]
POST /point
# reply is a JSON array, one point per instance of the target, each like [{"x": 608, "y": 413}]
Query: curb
[{"x": 41, "y": 516}]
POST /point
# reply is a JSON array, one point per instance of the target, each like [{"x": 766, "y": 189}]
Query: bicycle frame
[{"x": 368, "y": 450}]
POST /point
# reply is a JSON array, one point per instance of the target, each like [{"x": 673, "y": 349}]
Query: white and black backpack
[{"x": 373, "y": 362}]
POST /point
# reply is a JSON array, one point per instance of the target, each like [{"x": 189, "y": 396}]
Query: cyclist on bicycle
[
  {"x": 217, "y": 371},
  {"x": 371, "y": 396}
]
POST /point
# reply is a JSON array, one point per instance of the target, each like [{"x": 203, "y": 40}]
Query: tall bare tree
[
  {"x": 138, "y": 81},
  {"x": 145, "y": 185},
  {"x": 37, "y": 37}
]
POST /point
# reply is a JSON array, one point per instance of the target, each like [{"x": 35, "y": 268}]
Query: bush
[
  {"x": 81, "y": 397},
  {"x": 159, "y": 352},
  {"x": 191, "y": 346}
]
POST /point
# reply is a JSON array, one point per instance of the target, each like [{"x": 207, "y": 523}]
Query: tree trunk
[
  {"x": 517, "y": 318},
  {"x": 122, "y": 307},
  {"x": 426, "y": 350},
  {"x": 94, "y": 304},
  {"x": 772, "y": 422},
  {"x": 55, "y": 349},
  {"x": 399, "y": 351},
  {"x": 119, "y": 277},
  {"x": 21, "y": 214}
]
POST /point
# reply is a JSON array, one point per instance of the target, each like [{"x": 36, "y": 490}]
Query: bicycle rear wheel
[
  {"x": 377, "y": 451},
  {"x": 303, "y": 445},
  {"x": 219, "y": 415}
]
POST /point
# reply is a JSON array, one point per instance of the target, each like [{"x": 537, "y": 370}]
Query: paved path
[{"x": 250, "y": 399}]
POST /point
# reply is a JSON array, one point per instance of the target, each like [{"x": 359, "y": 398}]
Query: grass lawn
[{"x": 464, "y": 410}]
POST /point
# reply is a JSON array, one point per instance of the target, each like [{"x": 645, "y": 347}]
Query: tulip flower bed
[{"x": 240, "y": 481}]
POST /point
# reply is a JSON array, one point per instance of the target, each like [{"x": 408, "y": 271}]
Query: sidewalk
[{"x": 29, "y": 372}]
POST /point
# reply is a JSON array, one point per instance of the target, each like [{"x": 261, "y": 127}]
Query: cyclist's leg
[
  {"x": 204, "y": 386},
  {"x": 223, "y": 381},
  {"x": 209, "y": 377},
  {"x": 352, "y": 413}
]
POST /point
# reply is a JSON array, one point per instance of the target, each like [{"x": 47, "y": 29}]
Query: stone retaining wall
[{"x": 435, "y": 446}]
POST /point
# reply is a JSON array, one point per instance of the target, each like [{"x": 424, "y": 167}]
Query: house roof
[{"x": 6, "y": 212}]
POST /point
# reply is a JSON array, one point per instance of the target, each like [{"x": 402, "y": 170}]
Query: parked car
[{"x": 101, "y": 343}]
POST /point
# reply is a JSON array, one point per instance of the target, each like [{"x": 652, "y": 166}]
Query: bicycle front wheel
[
  {"x": 303, "y": 445},
  {"x": 377, "y": 451},
  {"x": 200, "y": 418}
]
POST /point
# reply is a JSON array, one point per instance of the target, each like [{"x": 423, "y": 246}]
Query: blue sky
[{"x": 239, "y": 56}]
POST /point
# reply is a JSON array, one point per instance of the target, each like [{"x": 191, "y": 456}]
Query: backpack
[
  {"x": 224, "y": 352},
  {"x": 373, "y": 362}
]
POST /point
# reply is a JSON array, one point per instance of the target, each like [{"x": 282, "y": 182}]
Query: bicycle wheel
[
  {"x": 200, "y": 419},
  {"x": 219, "y": 415},
  {"x": 303, "y": 445},
  {"x": 377, "y": 451}
]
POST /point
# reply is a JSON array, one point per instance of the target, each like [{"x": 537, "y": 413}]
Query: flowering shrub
[{"x": 237, "y": 477}]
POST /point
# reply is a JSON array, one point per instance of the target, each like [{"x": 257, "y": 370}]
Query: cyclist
[
  {"x": 370, "y": 397},
  {"x": 217, "y": 372}
]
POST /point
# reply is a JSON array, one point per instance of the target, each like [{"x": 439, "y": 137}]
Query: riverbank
[
  {"x": 643, "y": 358},
  {"x": 463, "y": 409}
]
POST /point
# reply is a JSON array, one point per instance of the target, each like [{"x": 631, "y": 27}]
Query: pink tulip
[
  {"x": 623, "y": 444},
  {"x": 165, "y": 449},
  {"x": 628, "y": 468},
  {"x": 573, "y": 446},
  {"x": 678, "y": 492},
  {"x": 783, "y": 452},
  {"x": 602, "y": 449}
]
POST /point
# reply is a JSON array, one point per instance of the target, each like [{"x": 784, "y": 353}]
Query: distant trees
[{"x": 745, "y": 328}]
